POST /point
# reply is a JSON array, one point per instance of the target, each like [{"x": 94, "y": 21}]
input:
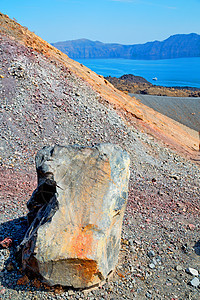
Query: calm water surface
[{"x": 169, "y": 72}]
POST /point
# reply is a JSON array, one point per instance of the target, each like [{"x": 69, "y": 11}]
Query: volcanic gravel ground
[
  {"x": 185, "y": 110},
  {"x": 44, "y": 103}
]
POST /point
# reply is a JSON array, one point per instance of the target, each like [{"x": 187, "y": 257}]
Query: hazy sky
[{"x": 120, "y": 21}]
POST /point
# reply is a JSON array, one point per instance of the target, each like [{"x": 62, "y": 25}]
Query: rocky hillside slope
[
  {"x": 176, "y": 46},
  {"x": 46, "y": 98},
  {"x": 131, "y": 109}
]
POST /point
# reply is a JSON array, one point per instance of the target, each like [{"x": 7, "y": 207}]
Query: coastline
[
  {"x": 180, "y": 72},
  {"x": 131, "y": 84}
]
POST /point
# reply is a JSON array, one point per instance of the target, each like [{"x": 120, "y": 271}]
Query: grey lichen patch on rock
[{"x": 75, "y": 214}]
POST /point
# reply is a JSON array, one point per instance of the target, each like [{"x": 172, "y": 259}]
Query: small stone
[
  {"x": 159, "y": 259},
  {"x": 195, "y": 282},
  {"x": 125, "y": 242},
  {"x": 154, "y": 261},
  {"x": 160, "y": 193},
  {"x": 133, "y": 249},
  {"x": 137, "y": 242},
  {"x": 10, "y": 267},
  {"x": 58, "y": 103},
  {"x": 70, "y": 292},
  {"x": 131, "y": 242},
  {"x": 147, "y": 274},
  {"x": 148, "y": 295},
  {"x": 151, "y": 253},
  {"x": 36, "y": 283},
  {"x": 178, "y": 268},
  {"x": 133, "y": 281},
  {"x": 1, "y": 265},
  {"x": 2, "y": 291},
  {"x": 192, "y": 271},
  {"x": 6, "y": 243},
  {"x": 152, "y": 266},
  {"x": 184, "y": 248},
  {"x": 23, "y": 280},
  {"x": 174, "y": 177},
  {"x": 191, "y": 226}
]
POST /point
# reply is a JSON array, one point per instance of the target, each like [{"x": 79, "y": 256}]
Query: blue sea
[{"x": 169, "y": 72}]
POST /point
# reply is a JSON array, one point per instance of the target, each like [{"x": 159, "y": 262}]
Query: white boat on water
[{"x": 155, "y": 78}]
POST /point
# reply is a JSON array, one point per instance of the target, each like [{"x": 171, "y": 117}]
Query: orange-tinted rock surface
[{"x": 76, "y": 214}]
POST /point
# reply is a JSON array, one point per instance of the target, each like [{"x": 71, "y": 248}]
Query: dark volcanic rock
[
  {"x": 132, "y": 78},
  {"x": 132, "y": 84}
]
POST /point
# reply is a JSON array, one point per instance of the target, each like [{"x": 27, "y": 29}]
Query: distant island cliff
[{"x": 176, "y": 46}]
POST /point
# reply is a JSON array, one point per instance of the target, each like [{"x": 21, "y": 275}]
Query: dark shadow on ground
[
  {"x": 14, "y": 229},
  {"x": 11, "y": 269},
  {"x": 197, "y": 247}
]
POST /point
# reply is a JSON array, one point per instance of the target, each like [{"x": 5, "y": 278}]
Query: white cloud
[{"x": 122, "y": 0}]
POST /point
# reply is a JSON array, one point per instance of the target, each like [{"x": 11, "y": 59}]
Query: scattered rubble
[{"x": 160, "y": 209}]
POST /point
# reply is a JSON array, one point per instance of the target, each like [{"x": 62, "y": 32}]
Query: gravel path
[
  {"x": 185, "y": 110},
  {"x": 44, "y": 103}
]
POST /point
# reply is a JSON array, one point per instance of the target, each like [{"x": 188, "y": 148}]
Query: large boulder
[{"x": 75, "y": 214}]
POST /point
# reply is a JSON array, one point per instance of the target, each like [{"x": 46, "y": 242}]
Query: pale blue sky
[{"x": 120, "y": 21}]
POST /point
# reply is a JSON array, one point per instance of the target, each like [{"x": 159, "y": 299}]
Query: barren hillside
[
  {"x": 47, "y": 98},
  {"x": 118, "y": 100}
]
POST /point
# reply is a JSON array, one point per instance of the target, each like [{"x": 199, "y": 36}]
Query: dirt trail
[{"x": 185, "y": 110}]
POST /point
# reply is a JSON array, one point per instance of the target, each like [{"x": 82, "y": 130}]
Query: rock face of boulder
[{"x": 75, "y": 214}]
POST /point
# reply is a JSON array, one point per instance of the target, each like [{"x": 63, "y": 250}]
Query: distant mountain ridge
[{"x": 176, "y": 46}]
